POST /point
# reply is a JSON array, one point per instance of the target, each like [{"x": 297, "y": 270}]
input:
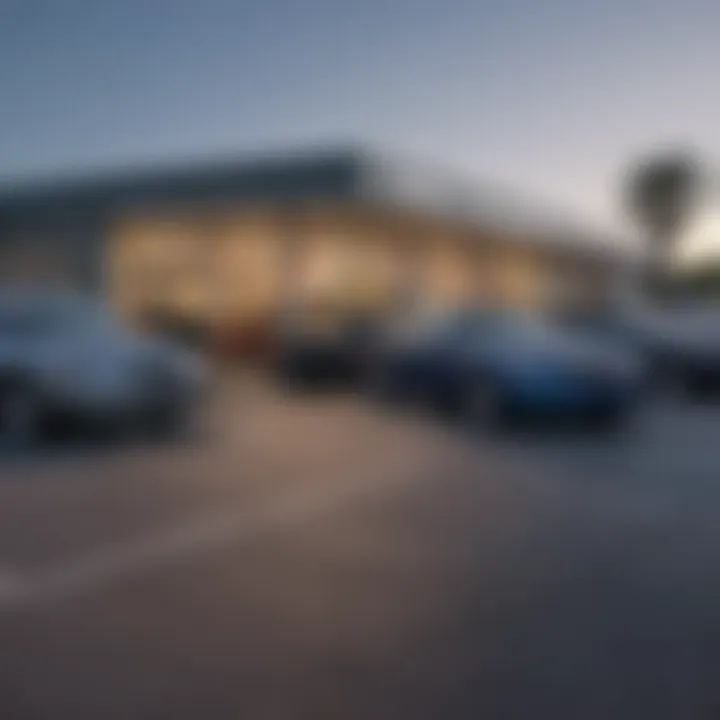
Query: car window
[
  {"x": 446, "y": 328},
  {"x": 517, "y": 330},
  {"x": 29, "y": 317},
  {"x": 22, "y": 324},
  {"x": 416, "y": 329}
]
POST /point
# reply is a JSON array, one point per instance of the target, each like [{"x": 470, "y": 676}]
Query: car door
[
  {"x": 415, "y": 355},
  {"x": 440, "y": 364}
]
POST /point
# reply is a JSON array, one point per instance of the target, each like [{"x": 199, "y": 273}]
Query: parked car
[
  {"x": 320, "y": 353},
  {"x": 680, "y": 345},
  {"x": 65, "y": 357},
  {"x": 247, "y": 341},
  {"x": 177, "y": 327},
  {"x": 494, "y": 366}
]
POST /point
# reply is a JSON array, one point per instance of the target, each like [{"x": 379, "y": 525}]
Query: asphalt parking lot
[{"x": 327, "y": 559}]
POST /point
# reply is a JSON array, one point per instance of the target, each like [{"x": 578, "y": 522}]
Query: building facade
[{"x": 340, "y": 232}]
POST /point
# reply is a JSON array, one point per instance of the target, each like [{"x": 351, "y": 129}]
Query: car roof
[{"x": 29, "y": 297}]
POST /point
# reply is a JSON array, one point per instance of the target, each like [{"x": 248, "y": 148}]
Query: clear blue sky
[{"x": 549, "y": 96}]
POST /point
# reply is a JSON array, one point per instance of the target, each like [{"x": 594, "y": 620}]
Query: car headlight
[
  {"x": 530, "y": 372},
  {"x": 534, "y": 375}
]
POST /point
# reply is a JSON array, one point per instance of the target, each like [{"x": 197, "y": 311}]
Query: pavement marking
[{"x": 125, "y": 560}]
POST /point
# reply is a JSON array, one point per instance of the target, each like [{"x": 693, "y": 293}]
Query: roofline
[
  {"x": 361, "y": 174},
  {"x": 92, "y": 182},
  {"x": 31, "y": 182},
  {"x": 482, "y": 204}
]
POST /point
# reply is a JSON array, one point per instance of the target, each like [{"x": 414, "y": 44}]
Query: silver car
[{"x": 64, "y": 357}]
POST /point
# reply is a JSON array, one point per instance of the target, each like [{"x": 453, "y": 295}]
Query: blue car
[{"x": 493, "y": 366}]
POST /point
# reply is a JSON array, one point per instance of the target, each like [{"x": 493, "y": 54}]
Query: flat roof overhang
[{"x": 345, "y": 174}]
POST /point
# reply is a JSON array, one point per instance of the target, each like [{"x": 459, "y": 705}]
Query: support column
[
  {"x": 290, "y": 250},
  {"x": 410, "y": 250}
]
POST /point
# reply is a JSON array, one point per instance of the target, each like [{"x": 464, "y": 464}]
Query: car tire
[
  {"x": 482, "y": 406},
  {"x": 700, "y": 388},
  {"x": 380, "y": 387},
  {"x": 162, "y": 424},
  {"x": 20, "y": 415},
  {"x": 612, "y": 422},
  {"x": 669, "y": 381}
]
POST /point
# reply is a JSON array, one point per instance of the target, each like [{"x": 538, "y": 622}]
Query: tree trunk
[{"x": 658, "y": 267}]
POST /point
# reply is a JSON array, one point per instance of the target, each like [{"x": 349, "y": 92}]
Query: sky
[{"x": 552, "y": 97}]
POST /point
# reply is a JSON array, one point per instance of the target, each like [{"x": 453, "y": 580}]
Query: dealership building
[{"x": 335, "y": 231}]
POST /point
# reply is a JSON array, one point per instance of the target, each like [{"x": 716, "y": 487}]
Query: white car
[{"x": 64, "y": 356}]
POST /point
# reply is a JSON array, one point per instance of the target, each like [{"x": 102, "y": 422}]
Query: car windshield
[
  {"x": 478, "y": 324},
  {"x": 33, "y": 315},
  {"x": 686, "y": 324},
  {"x": 519, "y": 326},
  {"x": 600, "y": 326}
]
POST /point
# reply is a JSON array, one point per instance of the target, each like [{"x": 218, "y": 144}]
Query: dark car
[
  {"x": 680, "y": 346},
  {"x": 492, "y": 366},
  {"x": 65, "y": 356},
  {"x": 683, "y": 348},
  {"x": 327, "y": 353}
]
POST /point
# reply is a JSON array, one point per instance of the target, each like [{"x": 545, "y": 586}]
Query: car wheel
[
  {"x": 669, "y": 381},
  {"x": 166, "y": 420},
  {"x": 612, "y": 422},
  {"x": 482, "y": 405},
  {"x": 20, "y": 416},
  {"x": 380, "y": 387},
  {"x": 700, "y": 388}
]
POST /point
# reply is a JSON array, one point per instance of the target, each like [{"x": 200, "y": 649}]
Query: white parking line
[{"x": 122, "y": 561}]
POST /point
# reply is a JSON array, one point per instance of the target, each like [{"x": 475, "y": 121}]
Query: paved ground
[{"x": 327, "y": 560}]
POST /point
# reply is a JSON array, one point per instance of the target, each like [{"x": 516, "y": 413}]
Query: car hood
[{"x": 572, "y": 353}]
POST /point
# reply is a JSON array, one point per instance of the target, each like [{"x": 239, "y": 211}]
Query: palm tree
[{"x": 660, "y": 194}]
